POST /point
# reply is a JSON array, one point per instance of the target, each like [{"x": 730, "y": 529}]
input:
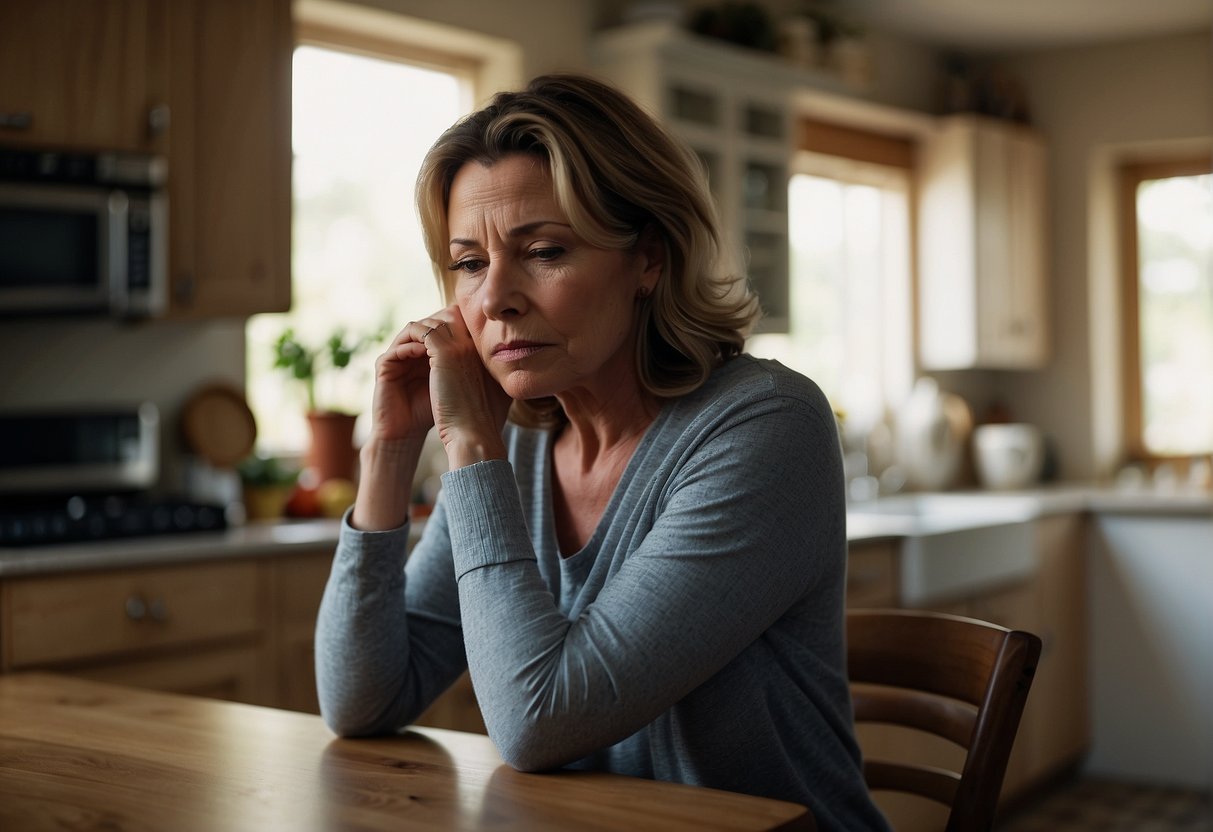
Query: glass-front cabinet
[{"x": 725, "y": 104}]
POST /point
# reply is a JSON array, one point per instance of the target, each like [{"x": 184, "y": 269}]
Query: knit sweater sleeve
[
  {"x": 388, "y": 638},
  {"x": 726, "y": 544}
]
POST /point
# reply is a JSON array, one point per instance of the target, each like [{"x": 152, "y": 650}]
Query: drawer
[
  {"x": 78, "y": 617},
  {"x": 299, "y": 585}
]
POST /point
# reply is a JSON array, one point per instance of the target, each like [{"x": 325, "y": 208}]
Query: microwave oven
[{"x": 82, "y": 233}]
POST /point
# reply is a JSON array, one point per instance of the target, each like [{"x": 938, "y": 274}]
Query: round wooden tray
[{"x": 218, "y": 425}]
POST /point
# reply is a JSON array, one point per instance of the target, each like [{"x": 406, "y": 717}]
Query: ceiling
[{"x": 1017, "y": 25}]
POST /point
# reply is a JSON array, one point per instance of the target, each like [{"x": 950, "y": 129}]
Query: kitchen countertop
[
  {"x": 887, "y": 518},
  {"x": 256, "y": 539},
  {"x": 904, "y": 515}
]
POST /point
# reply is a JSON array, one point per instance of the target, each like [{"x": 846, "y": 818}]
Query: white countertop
[{"x": 904, "y": 515}]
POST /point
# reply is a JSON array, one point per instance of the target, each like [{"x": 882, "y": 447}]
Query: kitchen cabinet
[
  {"x": 1151, "y": 651},
  {"x": 872, "y": 569},
  {"x": 297, "y": 585},
  {"x": 229, "y": 149},
  {"x": 203, "y": 83},
  {"x": 733, "y": 108},
  {"x": 76, "y": 74},
  {"x": 982, "y": 247},
  {"x": 196, "y": 628}
]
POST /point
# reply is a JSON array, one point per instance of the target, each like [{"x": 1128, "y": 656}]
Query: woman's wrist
[
  {"x": 463, "y": 451},
  {"x": 385, "y": 483}
]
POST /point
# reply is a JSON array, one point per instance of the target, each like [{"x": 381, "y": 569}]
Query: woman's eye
[
  {"x": 467, "y": 264},
  {"x": 547, "y": 252}
]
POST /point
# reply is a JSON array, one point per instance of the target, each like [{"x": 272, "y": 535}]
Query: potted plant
[
  {"x": 267, "y": 483},
  {"x": 332, "y": 453}
]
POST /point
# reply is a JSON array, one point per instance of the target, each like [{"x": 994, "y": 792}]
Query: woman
[{"x": 643, "y": 568}]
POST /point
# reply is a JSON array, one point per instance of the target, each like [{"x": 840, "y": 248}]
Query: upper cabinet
[
  {"x": 734, "y": 111},
  {"x": 982, "y": 248},
  {"x": 76, "y": 74},
  {"x": 229, "y": 72},
  {"x": 204, "y": 83}
]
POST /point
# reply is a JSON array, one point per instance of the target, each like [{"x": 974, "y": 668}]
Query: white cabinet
[
  {"x": 982, "y": 248},
  {"x": 734, "y": 109}
]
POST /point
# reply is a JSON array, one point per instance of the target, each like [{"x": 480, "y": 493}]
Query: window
[
  {"x": 850, "y": 326},
  {"x": 361, "y": 126},
  {"x": 1168, "y": 308}
]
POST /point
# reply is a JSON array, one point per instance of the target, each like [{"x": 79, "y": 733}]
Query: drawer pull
[
  {"x": 138, "y": 609},
  {"x": 158, "y": 610}
]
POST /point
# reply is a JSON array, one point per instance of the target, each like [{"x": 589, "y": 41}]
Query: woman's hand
[
  {"x": 468, "y": 406},
  {"x": 400, "y": 419},
  {"x": 430, "y": 375}
]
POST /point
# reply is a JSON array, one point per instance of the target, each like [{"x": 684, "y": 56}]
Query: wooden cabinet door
[
  {"x": 74, "y": 73},
  {"x": 982, "y": 259},
  {"x": 298, "y": 587},
  {"x": 236, "y": 673},
  {"x": 1057, "y": 716},
  {"x": 872, "y": 574},
  {"x": 229, "y": 68}
]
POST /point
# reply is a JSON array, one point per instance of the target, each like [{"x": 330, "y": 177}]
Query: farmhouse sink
[{"x": 955, "y": 546}]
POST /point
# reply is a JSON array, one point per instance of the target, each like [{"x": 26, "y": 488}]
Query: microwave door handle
[{"x": 115, "y": 254}]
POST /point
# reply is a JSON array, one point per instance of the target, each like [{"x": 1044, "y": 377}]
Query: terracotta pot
[{"x": 332, "y": 453}]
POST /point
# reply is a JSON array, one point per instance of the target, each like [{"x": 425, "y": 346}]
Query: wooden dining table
[{"x": 82, "y": 755}]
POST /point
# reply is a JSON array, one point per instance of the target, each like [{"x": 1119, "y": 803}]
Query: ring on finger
[{"x": 431, "y": 329}]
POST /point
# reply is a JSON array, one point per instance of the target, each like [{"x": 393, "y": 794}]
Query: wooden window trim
[
  {"x": 831, "y": 139},
  {"x": 1131, "y": 176},
  {"x": 382, "y": 47}
]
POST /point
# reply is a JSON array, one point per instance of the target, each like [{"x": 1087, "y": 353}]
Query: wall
[
  {"x": 80, "y": 362},
  {"x": 1089, "y": 102},
  {"x": 553, "y": 34}
]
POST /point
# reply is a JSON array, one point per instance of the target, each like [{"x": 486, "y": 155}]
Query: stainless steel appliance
[
  {"x": 82, "y": 233},
  {"x": 88, "y": 475}
]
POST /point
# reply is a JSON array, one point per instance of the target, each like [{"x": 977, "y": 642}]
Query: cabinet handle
[
  {"x": 17, "y": 121},
  {"x": 158, "y": 610},
  {"x": 136, "y": 608},
  {"x": 158, "y": 119}
]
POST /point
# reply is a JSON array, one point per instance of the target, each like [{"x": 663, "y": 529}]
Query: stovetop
[{"x": 53, "y": 520}]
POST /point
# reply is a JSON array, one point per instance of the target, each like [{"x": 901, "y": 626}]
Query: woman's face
[{"x": 549, "y": 313}]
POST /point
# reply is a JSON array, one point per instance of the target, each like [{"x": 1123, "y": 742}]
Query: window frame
[{"x": 1131, "y": 175}]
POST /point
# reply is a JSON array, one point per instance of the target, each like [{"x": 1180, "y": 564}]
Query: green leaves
[{"x": 303, "y": 362}]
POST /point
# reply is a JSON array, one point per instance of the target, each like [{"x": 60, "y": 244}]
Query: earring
[{"x": 642, "y": 293}]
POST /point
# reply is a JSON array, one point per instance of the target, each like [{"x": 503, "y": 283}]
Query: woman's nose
[{"x": 503, "y": 291}]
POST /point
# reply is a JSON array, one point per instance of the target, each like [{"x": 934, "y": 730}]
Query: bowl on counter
[{"x": 1008, "y": 456}]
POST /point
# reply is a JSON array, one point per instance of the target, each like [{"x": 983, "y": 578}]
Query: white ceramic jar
[{"x": 1008, "y": 456}]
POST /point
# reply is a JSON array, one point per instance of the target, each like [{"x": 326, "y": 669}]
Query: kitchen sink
[{"x": 955, "y": 546}]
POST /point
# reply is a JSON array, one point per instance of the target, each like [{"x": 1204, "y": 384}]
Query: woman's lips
[{"x": 516, "y": 350}]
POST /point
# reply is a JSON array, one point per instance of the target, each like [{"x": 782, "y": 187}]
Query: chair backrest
[{"x": 958, "y": 678}]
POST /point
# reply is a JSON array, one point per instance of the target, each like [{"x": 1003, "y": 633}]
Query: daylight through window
[
  {"x": 1171, "y": 291},
  {"x": 850, "y": 285},
  {"x": 360, "y": 129}
]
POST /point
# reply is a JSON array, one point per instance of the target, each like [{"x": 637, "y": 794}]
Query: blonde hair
[{"x": 616, "y": 174}]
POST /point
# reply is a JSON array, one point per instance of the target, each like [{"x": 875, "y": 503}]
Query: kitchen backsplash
[{"x": 51, "y": 363}]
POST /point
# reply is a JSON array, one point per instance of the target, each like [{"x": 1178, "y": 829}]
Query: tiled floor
[{"x": 1108, "y": 806}]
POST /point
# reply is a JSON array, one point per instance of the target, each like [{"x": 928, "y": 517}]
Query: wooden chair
[{"x": 958, "y": 678}]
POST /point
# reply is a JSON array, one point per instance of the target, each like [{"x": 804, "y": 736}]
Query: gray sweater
[{"x": 697, "y": 637}]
